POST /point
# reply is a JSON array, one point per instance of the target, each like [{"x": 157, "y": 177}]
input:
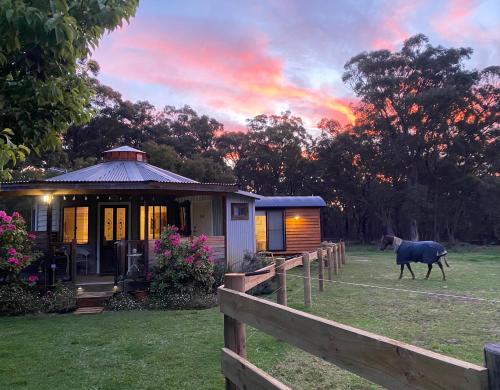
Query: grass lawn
[{"x": 149, "y": 350}]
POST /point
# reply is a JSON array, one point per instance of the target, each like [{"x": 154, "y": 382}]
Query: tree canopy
[
  {"x": 44, "y": 68},
  {"x": 422, "y": 159}
]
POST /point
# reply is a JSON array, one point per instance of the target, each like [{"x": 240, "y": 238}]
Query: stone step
[{"x": 89, "y": 310}]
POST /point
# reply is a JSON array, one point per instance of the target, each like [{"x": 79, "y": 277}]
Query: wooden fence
[{"x": 387, "y": 362}]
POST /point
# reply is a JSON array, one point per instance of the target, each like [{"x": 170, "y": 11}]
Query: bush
[
  {"x": 61, "y": 300},
  {"x": 252, "y": 262},
  {"x": 16, "y": 248},
  {"x": 184, "y": 268},
  {"x": 124, "y": 302},
  {"x": 17, "y": 299},
  {"x": 219, "y": 272},
  {"x": 175, "y": 301}
]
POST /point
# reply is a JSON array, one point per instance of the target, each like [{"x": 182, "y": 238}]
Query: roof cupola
[{"x": 124, "y": 153}]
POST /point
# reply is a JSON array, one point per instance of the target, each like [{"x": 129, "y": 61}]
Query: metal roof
[
  {"x": 124, "y": 149},
  {"x": 249, "y": 194},
  {"x": 122, "y": 171},
  {"x": 289, "y": 201}
]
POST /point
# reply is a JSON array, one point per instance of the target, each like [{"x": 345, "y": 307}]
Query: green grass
[{"x": 181, "y": 349}]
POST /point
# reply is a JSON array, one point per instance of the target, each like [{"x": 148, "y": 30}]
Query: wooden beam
[
  {"x": 247, "y": 376},
  {"x": 254, "y": 280},
  {"x": 492, "y": 359},
  {"x": 234, "y": 330},
  {"x": 387, "y": 362},
  {"x": 293, "y": 262}
]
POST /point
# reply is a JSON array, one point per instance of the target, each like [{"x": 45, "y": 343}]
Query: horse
[{"x": 428, "y": 252}]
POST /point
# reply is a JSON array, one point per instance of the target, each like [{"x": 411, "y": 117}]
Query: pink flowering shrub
[
  {"x": 16, "y": 248},
  {"x": 182, "y": 267}
]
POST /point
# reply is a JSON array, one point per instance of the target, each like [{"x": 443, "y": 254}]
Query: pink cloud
[
  {"x": 457, "y": 23},
  {"x": 237, "y": 76}
]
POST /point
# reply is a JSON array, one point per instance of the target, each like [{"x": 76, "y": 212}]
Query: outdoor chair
[{"x": 82, "y": 256}]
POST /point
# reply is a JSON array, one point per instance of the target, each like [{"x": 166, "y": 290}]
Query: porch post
[
  {"x": 146, "y": 238},
  {"x": 224, "y": 230}
]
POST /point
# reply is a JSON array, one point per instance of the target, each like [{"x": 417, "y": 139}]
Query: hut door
[
  {"x": 113, "y": 228},
  {"x": 276, "y": 241}
]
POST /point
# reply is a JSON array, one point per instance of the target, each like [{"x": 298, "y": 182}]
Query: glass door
[
  {"x": 275, "y": 233},
  {"x": 113, "y": 228}
]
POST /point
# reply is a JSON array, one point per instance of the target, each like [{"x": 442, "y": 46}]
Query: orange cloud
[{"x": 238, "y": 78}]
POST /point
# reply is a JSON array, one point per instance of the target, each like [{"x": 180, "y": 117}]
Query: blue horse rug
[{"x": 419, "y": 251}]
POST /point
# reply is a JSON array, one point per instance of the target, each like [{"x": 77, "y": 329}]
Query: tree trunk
[
  {"x": 436, "y": 227},
  {"x": 414, "y": 236}
]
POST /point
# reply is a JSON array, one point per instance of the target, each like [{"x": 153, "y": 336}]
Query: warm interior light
[
  {"x": 297, "y": 217},
  {"x": 47, "y": 198}
]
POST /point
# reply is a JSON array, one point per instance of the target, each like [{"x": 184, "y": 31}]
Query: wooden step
[
  {"x": 93, "y": 299},
  {"x": 89, "y": 310}
]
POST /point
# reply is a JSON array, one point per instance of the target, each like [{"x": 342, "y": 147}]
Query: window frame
[
  {"x": 151, "y": 226},
  {"x": 74, "y": 235},
  {"x": 240, "y": 217}
]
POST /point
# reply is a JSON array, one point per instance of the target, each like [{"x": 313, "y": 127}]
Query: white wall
[
  {"x": 240, "y": 234},
  {"x": 40, "y": 214}
]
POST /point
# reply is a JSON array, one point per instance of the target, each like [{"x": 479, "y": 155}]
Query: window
[
  {"x": 76, "y": 224},
  {"x": 239, "y": 211},
  {"x": 157, "y": 221}
]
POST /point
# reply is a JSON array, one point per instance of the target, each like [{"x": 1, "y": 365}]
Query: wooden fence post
[
  {"x": 306, "y": 269},
  {"x": 281, "y": 272},
  {"x": 336, "y": 262},
  {"x": 321, "y": 270},
  {"x": 329, "y": 259},
  {"x": 234, "y": 331},
  {"x": 492, "y": 360}
]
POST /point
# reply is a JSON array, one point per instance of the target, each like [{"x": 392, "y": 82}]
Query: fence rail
[{"x": 384, "y": 361}]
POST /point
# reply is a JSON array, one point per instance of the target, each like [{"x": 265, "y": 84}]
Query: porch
[{"x": 88, "y": 239}]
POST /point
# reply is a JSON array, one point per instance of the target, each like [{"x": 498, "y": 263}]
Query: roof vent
[{"x": 124, "y": 153}]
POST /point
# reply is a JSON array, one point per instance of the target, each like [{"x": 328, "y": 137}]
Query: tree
[
  {"x": 272, "y": 158},
  {"x": 44, "y": 68},
  {"x": 416, "y": 103}
]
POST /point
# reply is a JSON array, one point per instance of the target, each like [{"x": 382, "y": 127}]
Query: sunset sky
[{"x": 235, "y": 59}]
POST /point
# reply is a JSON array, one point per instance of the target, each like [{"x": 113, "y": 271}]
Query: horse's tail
[{"x": 444, "y": 258}]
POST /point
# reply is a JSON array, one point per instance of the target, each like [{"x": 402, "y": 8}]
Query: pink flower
[
  {"x": 202, "y": 238},
  {"x": 11, "y": 251},
  {"x": 3, "y": 214},
  {"x": 157, "y": 247},
  {"x": 15, "y": 214},
  {"x": 31, "y": 236},
  {"x": 167, "y": 253},
  {"x": 11, "y": 227},
  {"x": 189, "y": 260},
  {"x": 175, "y": 239},
  {"x": 7, "y": 219},
  {"x": 14, "y": 261},
  {"x": 32, "y": 279}
]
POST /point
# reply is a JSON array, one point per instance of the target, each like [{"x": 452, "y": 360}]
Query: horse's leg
[
  {"x": 411, "y": 271},
  {"x": 442, "y": 269},
  {"x": 429, "y": 269},
  {"x": 402, "y": 268}
]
